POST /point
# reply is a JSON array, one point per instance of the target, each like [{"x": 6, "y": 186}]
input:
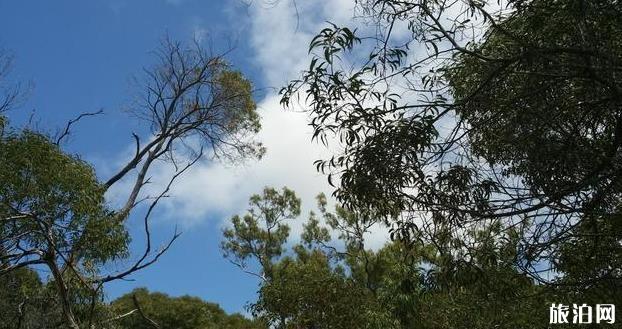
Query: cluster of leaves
[
  {"x": 504, "y": 114},
  {"x": 53, "y": 214},
  {"x": 28, "y": 303},
  {"x": 321, "y": 283},
  {"x": 183, "y": 312},
  {"x": 52, "y": 203},
  {"x": 23, "y": 301}
]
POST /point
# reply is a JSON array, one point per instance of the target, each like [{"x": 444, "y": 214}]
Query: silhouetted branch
[{"x": 67, "y": 129}]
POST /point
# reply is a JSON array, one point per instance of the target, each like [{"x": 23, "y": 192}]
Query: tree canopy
[
  {"x": 485, "y": 114},
  {"x": 183, "y": 312},
  {"x": 53, "y": 214},
  {"x": 484, "y": 136},
  {"x": 321, "y": 283}
]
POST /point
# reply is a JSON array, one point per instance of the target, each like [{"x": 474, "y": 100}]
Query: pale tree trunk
[{"x": 63, "y": 293}]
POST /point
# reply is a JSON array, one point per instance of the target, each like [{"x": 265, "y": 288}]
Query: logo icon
[
  {"x": 606, "y": 313},
  {"x": 582, "y": 314},
  {"x": 558, "y": 314}
]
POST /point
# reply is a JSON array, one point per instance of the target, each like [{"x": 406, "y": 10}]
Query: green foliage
[
  {"x": 28, "y": 303},
  {"x": 303, "y": 288},
  {"x": 54, "y": 214},
  {"x": 20, "y": 300},
  {"x": 474, "y": 116},
  {"x": 237, "y": 95},
  {"x": 305, "y": 291},
  {"x": 260, "y": 234},
  {"x": 183, "y": 312},
  {"x": 592, "y": 266},
  {"x": 55, "y": 203},
  {"x": 548, "y": 116},
  {"x": 401, "y": 285},
  {"x": 549, "y": 113}
]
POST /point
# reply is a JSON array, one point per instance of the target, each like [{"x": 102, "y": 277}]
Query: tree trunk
[{"x": 68, "y": 316}]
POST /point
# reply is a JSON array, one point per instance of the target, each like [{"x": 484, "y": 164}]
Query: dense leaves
[
  {"x": 486, "y": 136},
  {"x": 510, "y": 116},
  {"x": 260, "y": 234},
  {"x": 51, "y": 202},
  {"x": 53, "y": 215},
  {"x": 167, "y": 312},
  {"x": 321, "y": 283}
]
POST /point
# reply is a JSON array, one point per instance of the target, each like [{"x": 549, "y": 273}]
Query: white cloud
[
  {"x": 215, "y": 191},
  {"x": 281, "y": 33},
  {"x": 218, "y": 189},
  {"x": 280, "y": 36}
]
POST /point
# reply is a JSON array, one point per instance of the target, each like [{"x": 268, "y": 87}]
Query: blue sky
[{"x": 80, "y": 56}]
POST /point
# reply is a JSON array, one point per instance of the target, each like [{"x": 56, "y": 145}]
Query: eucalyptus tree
[
  {"x": 302, "y": 286},
  {"x": 471, "y": 113},
  {"x": 260, "y": 234},
  {"x": 52, "y": 207},
  {"x": 318, "y": 282},
  {"x": 166, "y": 312}
]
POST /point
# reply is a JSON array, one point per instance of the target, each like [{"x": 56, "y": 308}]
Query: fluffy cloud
[
  {"x": 215, "y": 191},
  {"x": 281, "y": 34}
]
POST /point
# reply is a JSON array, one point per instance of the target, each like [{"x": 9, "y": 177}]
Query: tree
[
  {"x": 22, "y": 300},
  {"x": 261, "y": 233},
  {"x": 300, "y": 288},
  {"x": 183, "y": 312},
  {"x": 308, "y": 292},
  {"x": 321, "y": 283},
  {"x": 481, "y": 115},
  {"x": 54, "y": 213},
  {"x": 52, "y": 207}
]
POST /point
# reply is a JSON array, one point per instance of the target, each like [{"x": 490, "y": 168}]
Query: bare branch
[{"x": 65, "y": 133}]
